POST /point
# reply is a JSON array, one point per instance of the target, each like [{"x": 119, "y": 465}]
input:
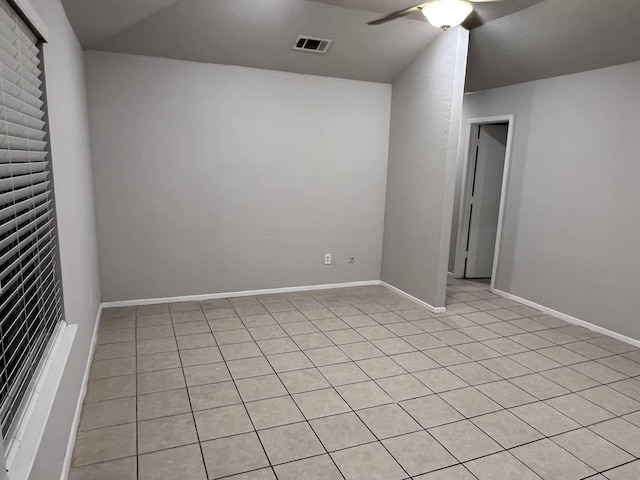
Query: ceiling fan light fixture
[{"x": 446, "y": 14}]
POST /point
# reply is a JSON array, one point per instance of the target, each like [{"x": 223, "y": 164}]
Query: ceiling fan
[{"x": 444, "y": 14}]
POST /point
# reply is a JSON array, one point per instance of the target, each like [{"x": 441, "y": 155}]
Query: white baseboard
[
  {"x": 569, "y": 318},
  {"x": 66, "y": 465},
  {"x": 267, "y": 291},
  {"x": 244, "y": 293},
  {"x": 429, "y": 307}
]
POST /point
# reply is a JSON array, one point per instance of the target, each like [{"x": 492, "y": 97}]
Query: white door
[{"x": 485, "y": 200}]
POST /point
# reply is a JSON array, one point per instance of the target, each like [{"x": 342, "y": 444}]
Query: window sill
[{"x": 23, "y": 448}]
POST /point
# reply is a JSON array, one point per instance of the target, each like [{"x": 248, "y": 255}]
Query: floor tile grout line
[
  {"x": 569, "y": 365},
  {"x": 193, "y": 416},
  {"x": 376, "y": 440},
  {"x": 348, "y": 405},
  {"x": 577, "y": 340},
  {"x": 364, "y": 423},
  {"x": 477, "y": 341},
  {"x": 508, "y": 379},
  {"x": 434, "y": 438},
  {"x": 354, "y": 411},
  {"x": 612, "y": 355},
  {"x": 278, "y": 426},
  {"x": 465, "y": 418},
  {"x": 550, "y": 437},
  {"x": 399, "y": 403},
  {"x": 137, "y": 414},
  {"x": 444, "y": 367},
  {"x": 246, "y": 410},
  {"x": 634, "y": 459}
]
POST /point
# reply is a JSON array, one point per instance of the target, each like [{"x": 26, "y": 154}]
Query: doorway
[{"x": 482, "y": 198}]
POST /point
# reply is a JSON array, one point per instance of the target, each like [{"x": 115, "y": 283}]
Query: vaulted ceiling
[
  {"x": 552, "y": 38},
  {"x": 261, "y": 34},
  {"x": 544, "y": 38}
]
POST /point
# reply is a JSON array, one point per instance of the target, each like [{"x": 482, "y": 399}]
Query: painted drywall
[
  {"x": 214, "y": 178},
  {"x": 572, "y": 223},
  {"x": 66, "y": 100},
  {"x": 425, "y": 122}
]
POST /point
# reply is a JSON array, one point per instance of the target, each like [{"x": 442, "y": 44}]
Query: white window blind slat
[
  {"x": 10, "y": 142},
  {"x": 13, "y": 318},
  {"x": 15, "y": 279},
  {"x": 15, "y": 47},
  {"x": 17, "y": 296},
  {"x": 20, "y": 105},
  {"x": 16, "y": 25},
  {"x": 28, "y": 363},
  {"x": 25, "y": 229},
  {"x": 9, "y": 226},
  {"x": 11, "y": 281},
  {"x": 21, "y": 196},
  {"x": 30, "y": 289},
  {"x": 24, "y": 68},
  {"x": 9, "y": 34},
  {"x": 26, "y": 241},
  {"x": 7, "y": 213},
  {"x": 23, "y": 56},
  {"x": 7, "y": 156},
  {"x": 16, "y": 50},
  {"x": 11, "y": 270},
  {"x": 18, "y": 92},
  {"x": 6, "y": 16},
  {"x": 15, "y": 78},
  {"x": 19, "y": 118},
  {"x": 15, "y": 130},
  {"x": 20, "y": 181},
  {"x": 15, "y": 169},
  {"x": 27, "y": 311},
  {"x": 11, "y": 216}
]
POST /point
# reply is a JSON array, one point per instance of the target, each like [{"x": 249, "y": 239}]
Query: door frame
[{"x": 473, "y": 126}]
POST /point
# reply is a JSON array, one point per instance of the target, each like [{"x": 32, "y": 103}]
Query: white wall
[
  {"x": 572, "y": 222},
  {"x": 425, "y": 122},
  {"x": 66, "y": 98},
  {"x": 213, "y": 178}
]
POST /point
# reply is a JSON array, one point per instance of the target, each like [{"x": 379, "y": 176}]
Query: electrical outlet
[
  {"x": 352, "y": 258},
  {"x": 327, "y": 259}
]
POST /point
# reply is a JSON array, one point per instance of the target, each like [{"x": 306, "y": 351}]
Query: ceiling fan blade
[
  {"x": 472, "y": 21},
  {"x": 486, "y": 11},
  {"x": 398, "y": 14}
]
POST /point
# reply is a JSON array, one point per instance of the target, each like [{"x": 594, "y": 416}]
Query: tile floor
[{"x": 357, "y": 384}]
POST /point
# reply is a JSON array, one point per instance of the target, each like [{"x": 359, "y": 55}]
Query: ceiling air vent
[{"x": 312, "y": 44}]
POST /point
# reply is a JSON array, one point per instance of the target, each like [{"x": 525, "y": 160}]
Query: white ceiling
[
  {"x": 549, "y": 38},
  {"x": 94, "y": 20},
  {"x": 554, "y": 37},
  {"x": 496, "y": 9},
  {"x": 261, "y": 34}
]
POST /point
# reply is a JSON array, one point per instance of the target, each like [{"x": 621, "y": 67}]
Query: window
[{"x": 30, "y": 287}]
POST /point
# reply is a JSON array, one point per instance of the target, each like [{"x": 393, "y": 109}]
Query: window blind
[{"x": 30, "y": 287}]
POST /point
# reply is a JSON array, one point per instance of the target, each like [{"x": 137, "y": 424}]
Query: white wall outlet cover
[{"x": 327, "y": 259}]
